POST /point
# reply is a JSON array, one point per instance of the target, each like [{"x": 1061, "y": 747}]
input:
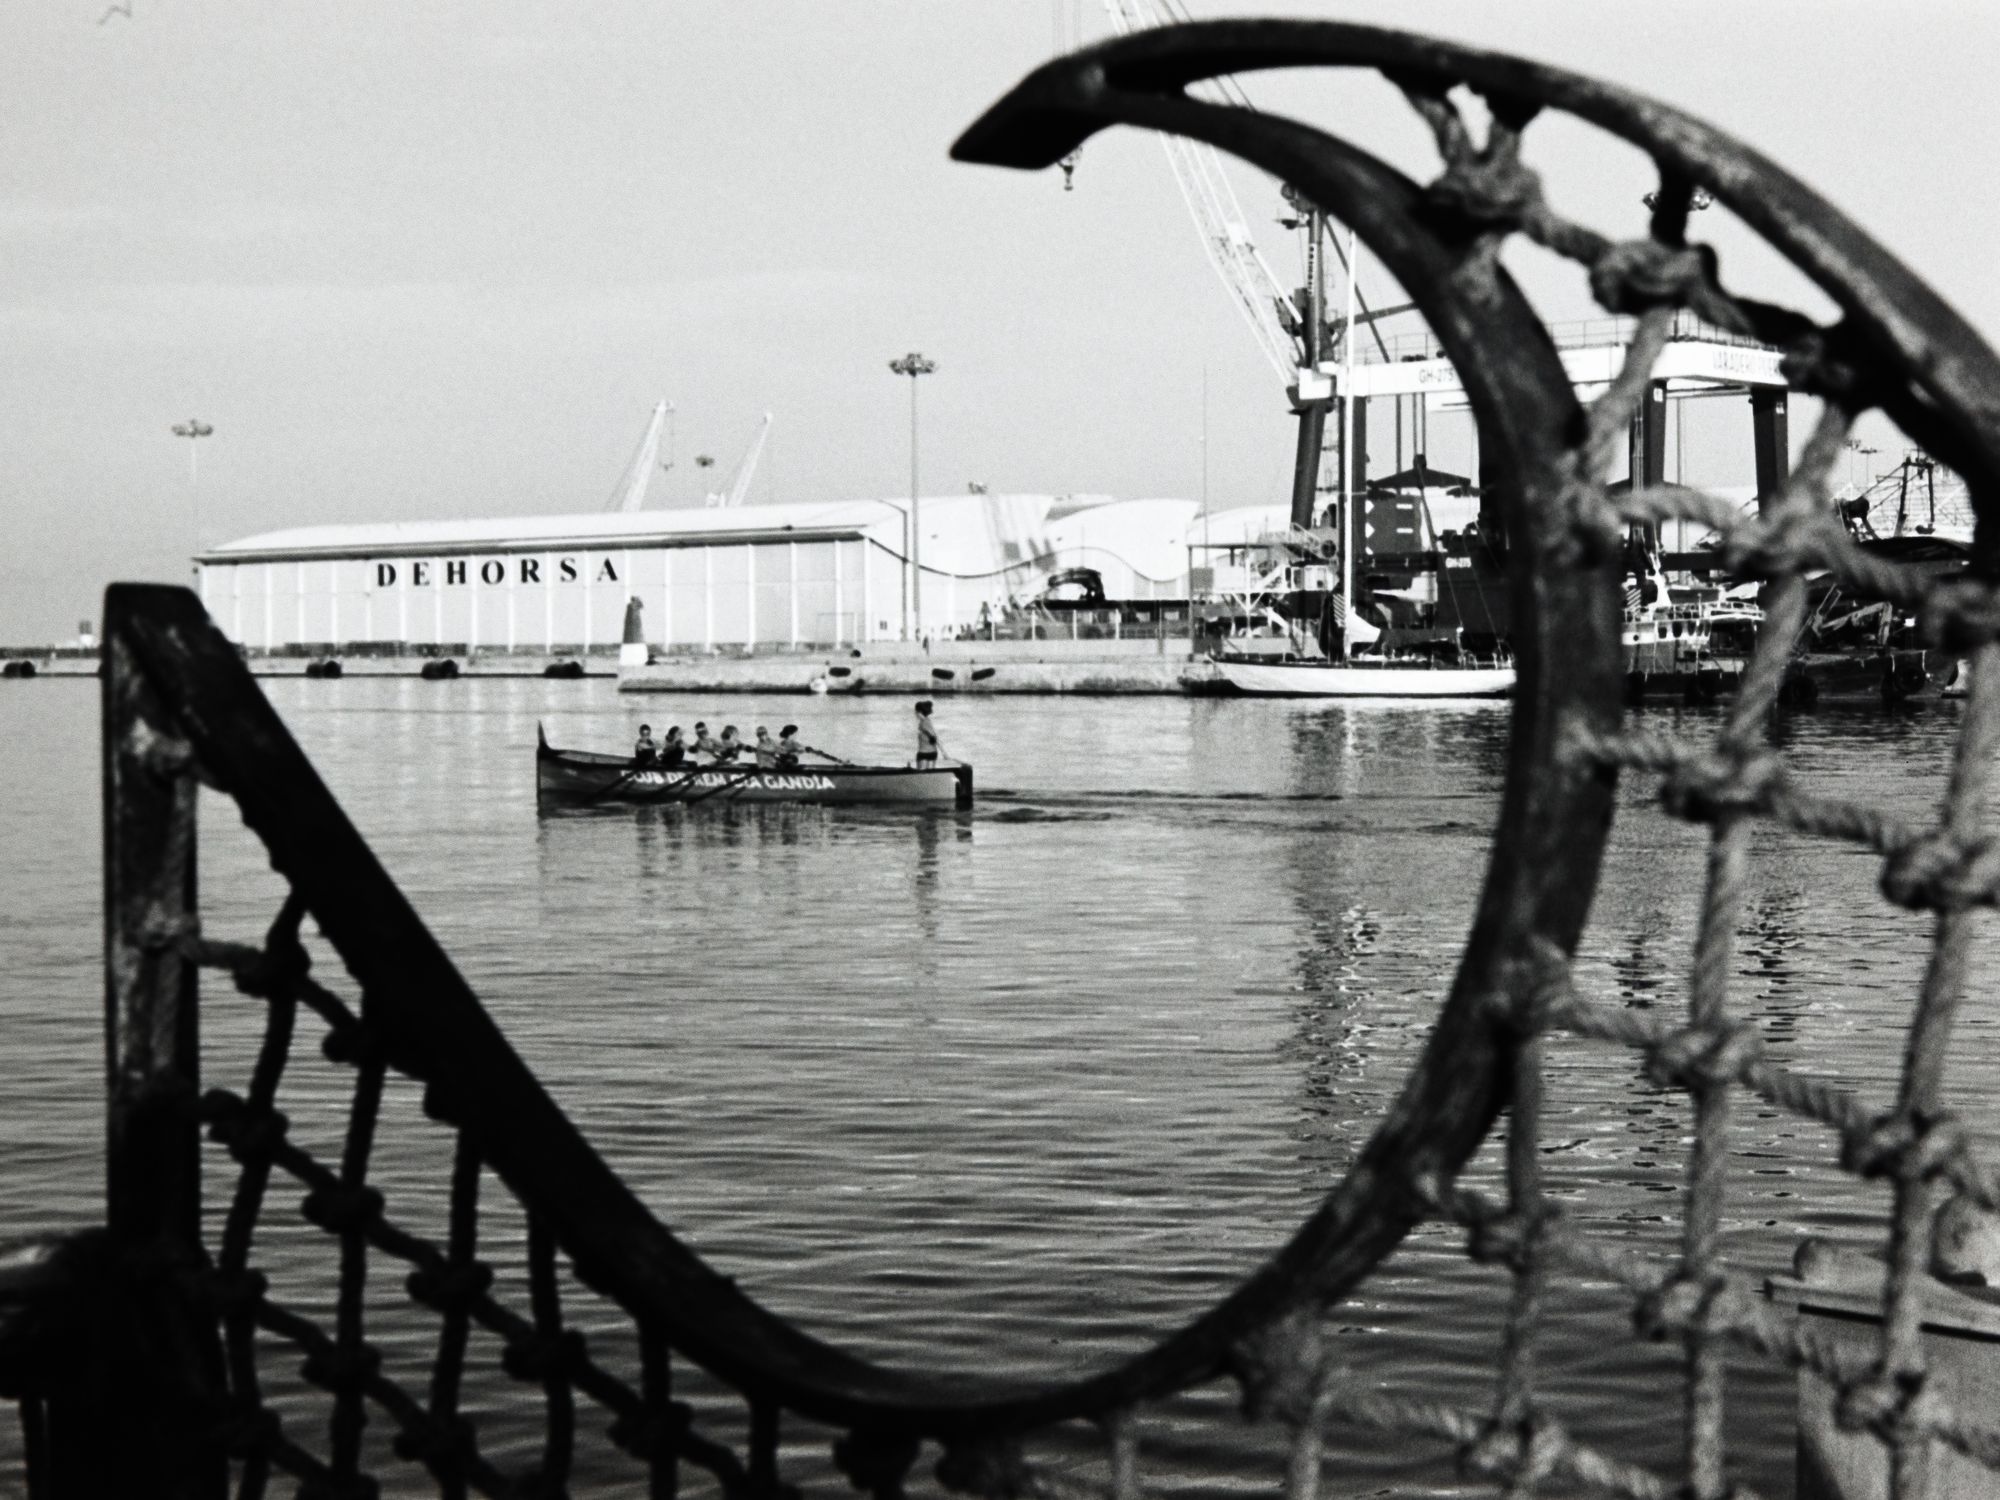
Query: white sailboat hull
[{"x": 1357, "y": 680}]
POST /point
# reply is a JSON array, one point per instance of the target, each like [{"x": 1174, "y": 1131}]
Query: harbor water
[{"x": 1021, "y": 1089}]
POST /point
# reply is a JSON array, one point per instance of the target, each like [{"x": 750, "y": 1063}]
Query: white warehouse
[{"x": 771, "y": 576}]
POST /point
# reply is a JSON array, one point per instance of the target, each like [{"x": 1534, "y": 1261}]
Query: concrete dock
[
  {"x": 1080, "y": 667},
  {"x": 603, "y": 663},
  {"x": 1142, "y": 667}
]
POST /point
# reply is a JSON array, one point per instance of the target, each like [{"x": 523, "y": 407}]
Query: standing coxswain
[{"x": 928, "y": 746}]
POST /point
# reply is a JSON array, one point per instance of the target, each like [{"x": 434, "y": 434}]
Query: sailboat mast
[{"x": 1350, "y": 533}]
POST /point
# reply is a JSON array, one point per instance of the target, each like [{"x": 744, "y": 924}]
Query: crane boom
[
  {"x": 1297, "y": 336},
  {"x": 630, "y": 495},
  {"x": 1225, "y": 234},
  {"x": 739, "y": 482}
]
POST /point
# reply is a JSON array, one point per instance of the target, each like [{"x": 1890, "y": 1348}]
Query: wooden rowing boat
[{"x": 581, "y": 777}]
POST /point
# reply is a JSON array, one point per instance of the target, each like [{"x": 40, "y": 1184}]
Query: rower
[
  {"x": 767, "y": 750},
  {"x": 704, "y": 743},
  {"x": 928, "y": 747},
  {"x": 644, "y": 753},
  {"x": 728, "y": 747},
  {"x": 788, "y": 748},
  {"x": 673, "y": 750}
]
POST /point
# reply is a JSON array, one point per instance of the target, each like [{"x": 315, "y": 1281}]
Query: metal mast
[{"x": 913, "y": 365}]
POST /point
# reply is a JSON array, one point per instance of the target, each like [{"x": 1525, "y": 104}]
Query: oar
[
  {"x": 626, "y": 780},
  {"x": 823, "y": 755},
  {"x": 727, "y": 786},
  {"x": 605, "y": 791},
  {"x": 671, "y": 787}
]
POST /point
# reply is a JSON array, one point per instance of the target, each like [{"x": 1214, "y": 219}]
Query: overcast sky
[{"x": 441, "y": 258}]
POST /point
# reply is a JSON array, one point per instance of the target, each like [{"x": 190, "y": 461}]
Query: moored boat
[
  {"x": 1361, "y": 678},
  {"x": 579, "y": 778}
]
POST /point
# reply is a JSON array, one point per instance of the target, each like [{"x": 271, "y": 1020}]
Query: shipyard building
[{"x": 753, "y": 576}]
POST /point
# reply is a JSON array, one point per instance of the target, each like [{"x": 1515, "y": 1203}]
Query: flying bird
[{"x": 124, "y": 10}]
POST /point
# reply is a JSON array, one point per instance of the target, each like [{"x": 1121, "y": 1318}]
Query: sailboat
[
  {"x": 1363, "y": 675},
  {"x": 1336, "y": 669},
  {"x": 1352, "y": 674},
  {"x": 1364, "y": 679}
]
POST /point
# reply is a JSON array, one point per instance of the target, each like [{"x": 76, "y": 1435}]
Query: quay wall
[
  {"x": 475, "y": 664},
  {"x": 959, "y": 668},
  {"x": 1142, "y": 666},
  {"x": 73, "y": 663}
]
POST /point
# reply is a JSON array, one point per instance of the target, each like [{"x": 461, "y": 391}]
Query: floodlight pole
[
  {"x": 194, "y": 429},
  {"x": 913, "y": 365}
]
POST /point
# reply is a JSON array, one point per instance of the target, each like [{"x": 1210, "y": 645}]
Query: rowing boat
[{"x": 582, "y": 777}]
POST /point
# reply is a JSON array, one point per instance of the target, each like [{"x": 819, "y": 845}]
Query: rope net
[
  {"x": 552, "y": 1326},
  {"x": 1950, "y": 868}
]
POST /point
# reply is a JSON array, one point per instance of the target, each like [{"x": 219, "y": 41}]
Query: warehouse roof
[
  {"x": 966, "y": 534},
  {"x": 606, "y": 528}
]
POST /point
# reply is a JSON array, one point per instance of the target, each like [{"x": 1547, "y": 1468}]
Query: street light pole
[
  {"x": 913, "y": 365},
  {"x": 194, "y": 429}
]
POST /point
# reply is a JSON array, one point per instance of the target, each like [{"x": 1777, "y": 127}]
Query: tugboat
[
  {"x": 1858, "y": 650},
  {"x": 1855, "y": 648},
  {"x": 1689, "y": 644}
]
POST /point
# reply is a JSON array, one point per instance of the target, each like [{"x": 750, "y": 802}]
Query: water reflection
[
  {"x": 1381, "y": 900},
  {"x": 1019, "y": 1089}
]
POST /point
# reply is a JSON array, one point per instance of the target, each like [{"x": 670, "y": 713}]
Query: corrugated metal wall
[{"x": 775, "y": 593}]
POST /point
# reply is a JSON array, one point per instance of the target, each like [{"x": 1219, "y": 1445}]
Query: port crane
[
  {"x": 1291, "y": 328},
  {"x": 631, "y": 490},
  {"x": 746, "y": 470}
]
